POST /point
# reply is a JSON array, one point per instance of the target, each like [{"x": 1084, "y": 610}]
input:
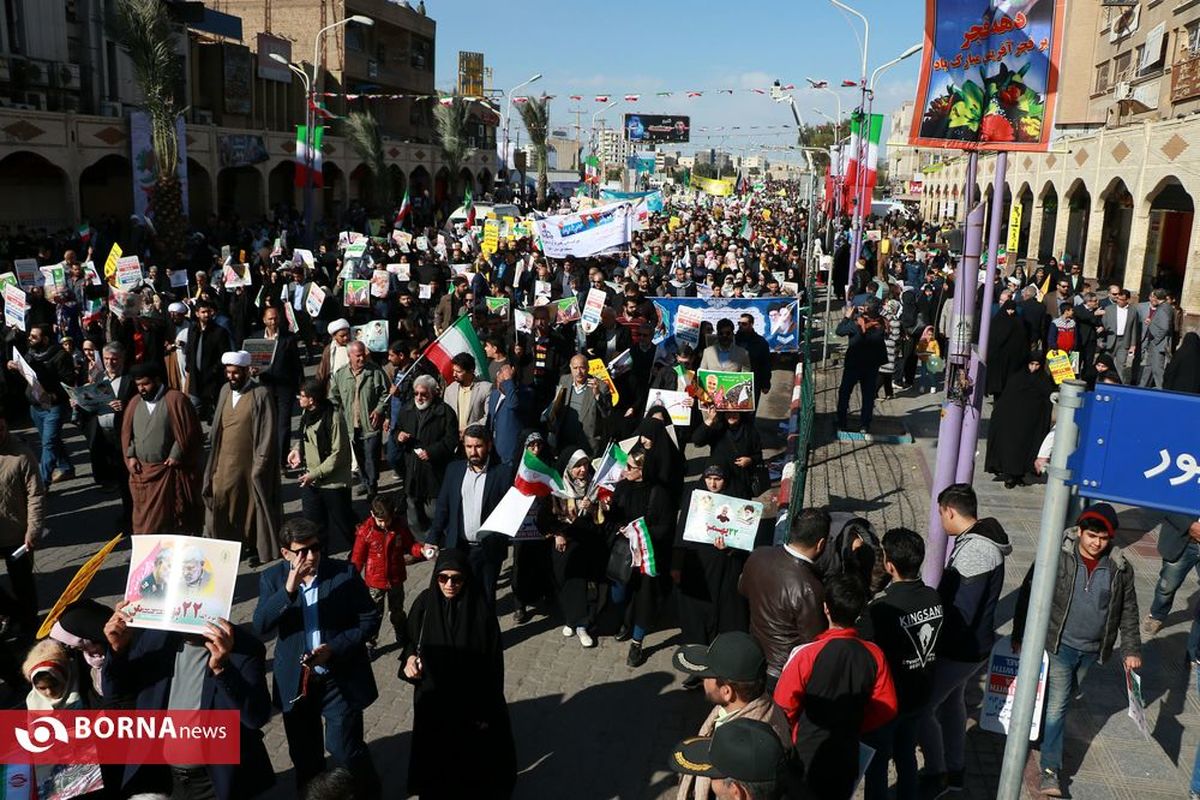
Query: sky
[{"x": 621, "y": 47}]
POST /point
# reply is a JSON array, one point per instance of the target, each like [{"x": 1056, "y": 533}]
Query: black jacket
[
  {"x": 205, "y": 379},
  {"x": 906, "y": 620},
  {"x": 447, "y": 527},
  {"x": 970, "y": 588}
]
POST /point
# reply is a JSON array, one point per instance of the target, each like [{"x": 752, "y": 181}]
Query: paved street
[{"x": 588, "y": 727}]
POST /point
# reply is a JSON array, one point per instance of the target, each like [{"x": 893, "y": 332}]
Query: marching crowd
[{"x": 807, "y": 650}]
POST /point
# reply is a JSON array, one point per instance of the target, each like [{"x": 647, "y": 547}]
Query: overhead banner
[
  {"x": 717, "y": 188},
  {"x": 585, "y": 233},
  {"x": 776, "y": 319},
  {"x": 651, "y": 128},
  {"x": 654, "y": 200},
  {"x": 989, "y": 74}
]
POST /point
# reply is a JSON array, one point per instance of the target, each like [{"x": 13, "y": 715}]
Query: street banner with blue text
[
  {"x": 776, "y": 319},
  {"x": 587, "y": 232}
]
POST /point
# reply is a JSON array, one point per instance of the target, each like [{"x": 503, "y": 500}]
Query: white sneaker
[
  {"x": 584, "y": 638},
  {"x": 568, "y": 631}
]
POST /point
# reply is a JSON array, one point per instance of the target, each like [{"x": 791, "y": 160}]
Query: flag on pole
[
  {"x": 611, "y": 470},
  {"x": 591, "y": 170},
  {"x": 405, "y": 208},
  {"x": 850, "y": 185},
  {"x": 469, "y": 207},
  {"x": 747, "y": 231},
  {"x": 536, "y": 479},
  {"x": 301, "y": 169},
  {"x": 458, "y": 338},
  {"x": 85, "y": 232},
  {"x": 641, "y": 548}
]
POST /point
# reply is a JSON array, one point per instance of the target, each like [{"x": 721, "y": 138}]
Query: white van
[{"x": 483, "y": 211}]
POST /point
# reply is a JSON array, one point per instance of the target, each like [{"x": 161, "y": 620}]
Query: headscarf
[{"x": 458, "y": 622}]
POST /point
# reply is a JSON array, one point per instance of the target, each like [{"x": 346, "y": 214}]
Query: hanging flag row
[{"x": 690, "y": 94}]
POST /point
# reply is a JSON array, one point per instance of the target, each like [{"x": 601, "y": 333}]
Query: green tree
[
  {"x": 362, "y": 130},
  {"x": 535, "y": 113},
  {"x": 145, "y": 30},
  {"x": 452, "y": 120}
]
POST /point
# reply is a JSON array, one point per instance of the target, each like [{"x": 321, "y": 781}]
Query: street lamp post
[
  {"x": 860, "y": 177},
  {"x": 310, "y": 115},
  {"x": 507, "y": 105}
]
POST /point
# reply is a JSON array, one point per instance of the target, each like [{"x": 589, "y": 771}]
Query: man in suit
[
  {"x": 466, "y": 394},
  {"x": 1122, "y": 333},
  {"x": 1179, "y": 546},
  {"x": 471, "y": 489},
  {"x": 724, "y": 355},
  {"x": 323, "y": 616},
  {"x": 1158, "y": 322},
  {"x": 207, "y": 342},
  {"x": 504, "y": 408},
  {"x": 224, "y": 669},
  {"x": 576, "y": 415},
  {"x": 281, "y": 377}
]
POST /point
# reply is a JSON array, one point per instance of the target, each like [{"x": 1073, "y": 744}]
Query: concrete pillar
[
  {"x": 1189, "y": 297},
  {"x": 1035, "y": 227},
  {"x": 1061, "y": 220},
  {"x": 1135, "y": 261},
  {"x": 1091, "y": 256}
]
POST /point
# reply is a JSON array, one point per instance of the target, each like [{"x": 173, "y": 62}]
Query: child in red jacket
[{"x": 383, "y": 545}]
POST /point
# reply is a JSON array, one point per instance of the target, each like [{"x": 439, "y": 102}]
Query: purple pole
[
  {"x": 965, "y": 471},
  {"x": 950, "y": 428}
]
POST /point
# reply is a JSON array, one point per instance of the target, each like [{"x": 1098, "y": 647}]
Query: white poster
[
  {"x": 592, "y": 308},
  {"x": 180, "y": 583},
  {"x": 687, "y": 325},
  {"x": 677, "y": 404},
  {"x": 585, "y": 233},
  {"x": 14, "y": 307},
  {"x": 314, "y": 301},
  {"x": 1000, "y": 690},
  {"x": 509, "y": 514},
  {"x": 711, "y": 516}
]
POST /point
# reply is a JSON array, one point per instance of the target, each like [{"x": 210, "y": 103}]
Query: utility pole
[{"x": 578, "y": 112}]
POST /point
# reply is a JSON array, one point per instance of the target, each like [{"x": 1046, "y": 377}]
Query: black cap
[
  {"x": 733, "y": 656},
  {"x": 742, "y": 749}
]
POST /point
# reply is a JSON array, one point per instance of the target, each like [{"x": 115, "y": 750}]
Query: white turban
[
  {"x": 236, "y": 358},
  {"x": 338, "y": 325},
  {"x": 177, "y": 308}
]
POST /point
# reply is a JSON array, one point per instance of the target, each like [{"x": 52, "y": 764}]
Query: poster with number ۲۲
[
  {"x": 180, "y": 583},
  {"x": 733, "y": 520}
]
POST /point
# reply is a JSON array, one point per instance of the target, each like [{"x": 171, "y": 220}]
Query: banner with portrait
[
  {"x": 181, "y": 583},
  {"x": 776, "y": 319},
  {"x": 714, "y": 516}
]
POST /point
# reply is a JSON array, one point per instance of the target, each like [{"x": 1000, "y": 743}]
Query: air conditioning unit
[
  {"x": 110, "y": 109},
  {"x": 37, "y": 73},
  {"x": 202, "y": 116},
  {"x": 1122, "y": 90},
  {"x": 65, "y": 76},
  {"x": 36, "y": 100}
]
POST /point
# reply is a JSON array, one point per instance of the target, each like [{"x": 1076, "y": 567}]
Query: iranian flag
[
  {"x": 405, "y": 208},
  {"x": 536, "y": 479},
  {"x": 868, "y": 166},
  {"x": 611, "y": 470},
  {"x": 458, "y": 338},
  {"x": 747, "y": 231},
  {"x": 641, "y": 548},
  {"x": 301, "y": 172},
  {"x": 469, "y": 207}
]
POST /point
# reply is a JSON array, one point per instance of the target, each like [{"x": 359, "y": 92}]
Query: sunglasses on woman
[{"x": 450, "y": 580}]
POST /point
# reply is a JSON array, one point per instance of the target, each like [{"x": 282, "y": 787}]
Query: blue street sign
[{"x": 1140, "y": 447}]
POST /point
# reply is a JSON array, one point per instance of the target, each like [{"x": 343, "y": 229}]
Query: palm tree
[
  {"x": 146, "y": 32},
  {"x": 535, "y": 113},
  {"x": 362, "y": 129},
  {"x": 452, "y": 118}
]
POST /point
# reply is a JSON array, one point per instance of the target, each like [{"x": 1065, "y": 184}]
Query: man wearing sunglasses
[{"x": 323, "y": 616}]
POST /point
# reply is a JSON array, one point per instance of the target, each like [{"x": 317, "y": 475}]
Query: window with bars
[
  {"x": 1121, "y": 67},
  {"x": 1102, "y": 77}
]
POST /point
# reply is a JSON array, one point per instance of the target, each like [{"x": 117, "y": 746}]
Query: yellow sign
[
  {"x": 597, "y": 369},
  {"x": 491, "y": 237},
  {"x": 673, "y": 223},
  {"x": 1059, "y": 364},
  {"x": 766, "y": 214},
  {"x": 110, "y": 265},
  {"x": 1014, "y": 229},
  {"x": 717, "y": 188}
]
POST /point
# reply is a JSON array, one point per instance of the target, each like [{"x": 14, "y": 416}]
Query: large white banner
[{"x": 587, "y": 232}]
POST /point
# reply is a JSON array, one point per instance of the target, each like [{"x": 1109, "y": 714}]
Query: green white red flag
[
  {"x": 535, "y": 478},
  {"x": 611, "y": 470},
  {"x": 458, "y": 338},
  {"x": 405, "y": 208},
  {"x": 469, "y": 207},
  {"x": 641, "y": 549},
  {"x": 301, "y": 169},
  {"x": 868, "y": 165}
]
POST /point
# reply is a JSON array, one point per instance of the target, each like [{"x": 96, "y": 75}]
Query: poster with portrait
[
  {"x": 358, "y": 293},
  {"x": 314, "y": 300},
  {"x": 776, "y": 319},
  {"x": 711, "y": 516},
  {"x": 180, "y": 583},
  {"x": 566, "y": 310},
  {"x": 677, "y": 404},
  {"x": 726, "y": 391},
  {"x": 373, "y": 334},
  {"x": 381, "y": 282}
]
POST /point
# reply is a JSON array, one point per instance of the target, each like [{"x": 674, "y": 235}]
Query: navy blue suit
[
  {"x": 486, "y": 557},
  {"x": 347, "y": 619},
  {"x": 145, "y": 671},
  {"x": 504, "y": 418}
]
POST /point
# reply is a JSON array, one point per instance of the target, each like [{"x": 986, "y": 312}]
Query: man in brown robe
[
  {"x": 163, "y": 447},
  {"x": 241, "y": 483}
]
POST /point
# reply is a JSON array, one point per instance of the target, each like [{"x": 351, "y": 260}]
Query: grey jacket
[
  {"x": 1122, "y": 614},
  {"x": 1173, "y": 535},
  {"x": 1156, "y": 332},
  {"x": 1131, "y": 337}
]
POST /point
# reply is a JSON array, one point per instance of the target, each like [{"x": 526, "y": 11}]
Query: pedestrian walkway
[{"x": 1105, "y": 754}]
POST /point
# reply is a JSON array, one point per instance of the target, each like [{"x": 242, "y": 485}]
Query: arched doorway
[
  {"x": 441, "y": 186},
  {"x": 399, "y": 184},
  {"x": 466, "y": 180},
  {"x": 360, "y": 186},
  {"x": 1114, "y": 233},
  {"x": 1171, "y": 213},
  {"x": 240, "y": 192},
  {"x": 106, "y": 189},
  {"x": 1025, "y": 199},
  {"x": 485, "y": 181},
  {"x": 281, "y": 185},
  {"x": 34, "y": 192},
  {"x": 333, "y": 196},
  {"x": 200, "y": 192},
  {"x": 420, "y": 190},
  {"x": 1079, "y": 209},
  {"x": 1049, "y": 222}
]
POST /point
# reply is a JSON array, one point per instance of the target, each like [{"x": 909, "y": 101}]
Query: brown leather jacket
[{"x": 786, "y": 602}]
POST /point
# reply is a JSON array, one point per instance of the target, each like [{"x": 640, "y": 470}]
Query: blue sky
[{"x": 621, "y": 47}]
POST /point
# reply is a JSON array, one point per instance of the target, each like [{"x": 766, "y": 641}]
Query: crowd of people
[{"x": 806, "y": 649}]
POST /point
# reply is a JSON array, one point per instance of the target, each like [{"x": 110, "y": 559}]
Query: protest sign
[
  {"x": 358, "y": 293},
  {"x": 373, "y": 334},
  {"x": 422, "y": 243},
  {"x": 303, "y": 258},
  {"x": 1058, "y": 363},
  {"x": 314, "y": 301},
  {"x": 54, "y": 278},
  {"x": 586, "y": 233},
  {"x": 180, "y": 583},
  {"x": 235, "y": 276},
  {"x": 687, "y": 325},
  {"x": 599, "y": 370},
  {"x": 461, "y": 269},
  {"x": 733, "y": 519},
  {"x": 491, "y": 237},
  {"x": 15, "y": 306},
  {"x": 541, "y": 289},
  {"x": 566, "y": 310},
  {"x": 727, "y": 391},
  {"x": 178, "y": 278},
  {"x": 110, "y": 263},
  {"x": 262, "y": 351},
  {"x": 424, "y": 291},
  {"x": 8, "y": 279},
  {"x": 776, "y": 319},
  {"x": 1001, "y": 688},
  {"x": 402, "y": 239},
  {"x": 510, "y": 513},
  {"x": 592, "y": 308},
  {"x": 522, "y": 320},
  {"x": 381, "y": 282},
  {"x": 1137, "y": 705},
  {"x": 89, "y": 272},
  {"x": 402, "y": 272},
  {"x": 27, "y": 271},
  {"x": 677, "y": 404},
  {"x": 497, "y": 305},
  {"x": 124, "y": 304},
  {"x": 92, "y": 397},
  {"x": 129, "y": 273},
  {"x": 356, "y": 250}
]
